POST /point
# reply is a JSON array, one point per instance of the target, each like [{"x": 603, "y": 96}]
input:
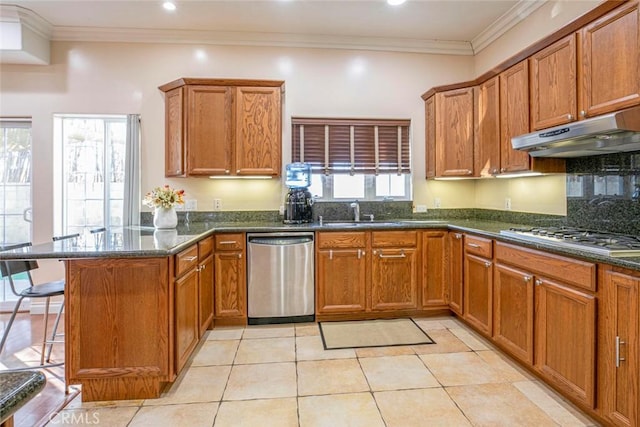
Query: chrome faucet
[{"x": 356, "y": 211}]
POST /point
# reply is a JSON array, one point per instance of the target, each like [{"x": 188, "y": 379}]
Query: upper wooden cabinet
[
  {"x": 610, "y": 62},
  {"x": 223, "y": 127},
  {"x": 514, "y": 116},
  {"x": 454, "y": 133},
  {"x": 487, "y": 128},
  {"x": 553, "y": 84}
]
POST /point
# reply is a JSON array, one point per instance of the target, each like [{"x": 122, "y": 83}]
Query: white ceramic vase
[{"x": 165, "y": 218}]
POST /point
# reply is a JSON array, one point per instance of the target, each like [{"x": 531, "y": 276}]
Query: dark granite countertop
[
  {"x": 139, "y": 241},
  {"x": 16, "y": 389}
]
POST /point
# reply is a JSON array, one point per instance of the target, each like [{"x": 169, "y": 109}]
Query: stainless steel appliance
[
  {"x": 610, "y": 133},
  {"x": 610, "y": 244},
  {"x": 298, "y": 201},
  {"x": 280, "y": 278}
]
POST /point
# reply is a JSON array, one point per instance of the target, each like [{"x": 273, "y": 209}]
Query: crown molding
[
  {"x": 260, "y": 39},
  {"x": 512, "y": 17}
]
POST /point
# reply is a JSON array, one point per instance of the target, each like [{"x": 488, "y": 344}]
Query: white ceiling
[{"x": 440, "y": 26}]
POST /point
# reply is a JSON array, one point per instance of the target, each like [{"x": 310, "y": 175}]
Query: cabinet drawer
[
  {"x": 478, "y": 246},
  {"x": 205, "y": 247},
  {"x": 394, "y": 239},
  {"x": 186, "y": 260},
  {"x": 228, "y": 242},
  {"x": 341, "y": 240},
  {"x": 567, "y": 270}
]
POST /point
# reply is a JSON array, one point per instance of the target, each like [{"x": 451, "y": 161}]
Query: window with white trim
[{"x": 364, "y": 159}]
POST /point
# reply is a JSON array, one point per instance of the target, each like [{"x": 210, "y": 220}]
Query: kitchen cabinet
[
  {"x": 435, "y": 291},
  {"x": 514, "y": 116},
  {"x": 487, "y": 128},
  {"x": 564, "y": 316},
  {"x": 478, "y": 283},
  {"x": 342, "y": 263},
  {"x": 394, "y": 271},
  {"x": 205, "y": 284},
  {"x": 553, "y": 84},
  {"x": 610, "y": 62},
  {"x": 223, "y": 127},
  {"x": 455, "y": 272},
  {"x": 430, "y": 135},
  {"x": 513, "y": 309},
  {"x": 230, "y": 296},
  {"x": 454, "y": 132},
  {"x": 618, "y": 346},
  {"x": 186, "y": 305}
]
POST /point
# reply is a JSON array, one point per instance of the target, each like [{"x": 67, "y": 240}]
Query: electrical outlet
[
  {"x": 421, "y": 208},
  {"x": 281, "y": 210},
  {"x": 217, "y": 204},
  {"x": 507, "y": 203},
  {"x": 191, "y": 204},
  {"x": 437, "y": 202}
]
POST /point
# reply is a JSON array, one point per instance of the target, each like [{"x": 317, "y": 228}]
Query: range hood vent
[
  {"x": 610, "y": 133},
  {"x": 24, "y": 36}
]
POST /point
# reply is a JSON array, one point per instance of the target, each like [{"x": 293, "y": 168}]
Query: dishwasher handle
[{"x": 280, "y": 241}]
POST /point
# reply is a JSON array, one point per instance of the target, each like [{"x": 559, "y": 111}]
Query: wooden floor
[{"x": 22, "y": 350}]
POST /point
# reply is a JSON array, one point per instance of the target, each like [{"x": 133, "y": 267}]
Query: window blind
[{"x": 355, "y": 146}]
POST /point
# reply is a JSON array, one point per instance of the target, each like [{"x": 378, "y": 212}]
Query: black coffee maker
[{"x": 298, "y": 201}]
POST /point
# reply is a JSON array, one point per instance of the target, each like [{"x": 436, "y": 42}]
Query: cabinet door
[
  {"x": 565, "y": 338},
  {"x": 454, "y": 133},
  {"x": 618, "y": 349},
  {"x": 487, "y": 128},
  {"x": 341, "y": 275},
  {"x": 230, "y": 284},
  {"x": 174, "y": 133},
  {"x": 186, "y": 317},
  {"x": 553, "y": 84},
  {"x": 258, "y": 131},
  {"x": 394, "y": 279},
  {"x": 514, "y": 116},
  {"x": 434, "y": 268},
  {"x": 610, "y": 62},
  {"x": 513, "y": 311},
  {"x": 430, "y": 135},
  {"x": 209, "y": 130},
  {"x": 478, "y": 292},
  {"x": 456, "y": 272},
  {"x": 205, "y": 293}
]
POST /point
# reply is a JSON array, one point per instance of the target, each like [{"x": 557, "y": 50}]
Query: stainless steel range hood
[{"x": 611, "y": 133}]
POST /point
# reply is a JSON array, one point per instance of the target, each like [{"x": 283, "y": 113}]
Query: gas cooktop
[{"x": 611, "y": 244}]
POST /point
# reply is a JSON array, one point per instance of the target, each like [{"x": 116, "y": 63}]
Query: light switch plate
[
  {"x": 437, "y": 202},
  {"x": 217, "y": 204},
  {"x": 191, "y": 205},
  {"x": 507, "y": 203},
  {"x": 421, "y": 208}
]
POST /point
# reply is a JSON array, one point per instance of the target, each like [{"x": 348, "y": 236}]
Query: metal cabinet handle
[
  {"x": 473, "y": 245},
  {"x": 458, "y": 236},
  {"x": 619, "y": 359},
  {"x": 227, "y": 171},
  {"x": 330, "y": 253},
  {"x": 239, "y": 256},
  {"x": 360, "y": 253},
  {"x": 538, "y": 282},
  {"x": 400, "y": 255},
  {"x": 190, "y": 258},
  {"x": 237, "y": 170},
  {"x": 487, "y": 264},
  {"x": 468, "y": 171},
  {"x": 503, "y": 169},
  {"x": 526, "y": 278},
  {"x": 569, "y": 116},
  {"x": 583, "y": 113},
  {"x": 228, "y": 242}
]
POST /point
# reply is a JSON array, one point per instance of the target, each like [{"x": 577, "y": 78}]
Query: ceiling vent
[{"x": 24, "y": 36}]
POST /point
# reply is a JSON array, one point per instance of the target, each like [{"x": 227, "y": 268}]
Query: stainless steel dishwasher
[{"x": 280, "y": 286}]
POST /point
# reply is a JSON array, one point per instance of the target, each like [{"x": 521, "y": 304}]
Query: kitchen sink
[{"x": 358, "y": 224}]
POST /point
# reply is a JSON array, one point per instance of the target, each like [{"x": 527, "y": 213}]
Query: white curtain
[{"x": 132, "y": 172}]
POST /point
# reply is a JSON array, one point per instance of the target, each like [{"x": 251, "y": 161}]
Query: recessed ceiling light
[
  {"x": 395, "y": 2},
  {"x": 168, "y": 5}
]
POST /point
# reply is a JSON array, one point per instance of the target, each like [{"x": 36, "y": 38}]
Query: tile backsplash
[{"x": 603, "y": 192}]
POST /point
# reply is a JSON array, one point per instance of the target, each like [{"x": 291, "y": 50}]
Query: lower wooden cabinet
[
  {"x": 205, "y": 294},
  {"x": 435, "y": 291},
  {"x": 186, "y": 317},
  {"x": 513, "y": 311},
  {"x": 619, "y": 347},
  {"x": 478, "y": 283},
  {"x": 565, "y": 338},
  {"x": 455, "y": 272},
  {"x": 230, "y": 282},
  {"x": 341, "y": 272}
]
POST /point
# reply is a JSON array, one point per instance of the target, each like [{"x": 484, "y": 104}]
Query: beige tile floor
[{"x": 281, "y": 376}]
